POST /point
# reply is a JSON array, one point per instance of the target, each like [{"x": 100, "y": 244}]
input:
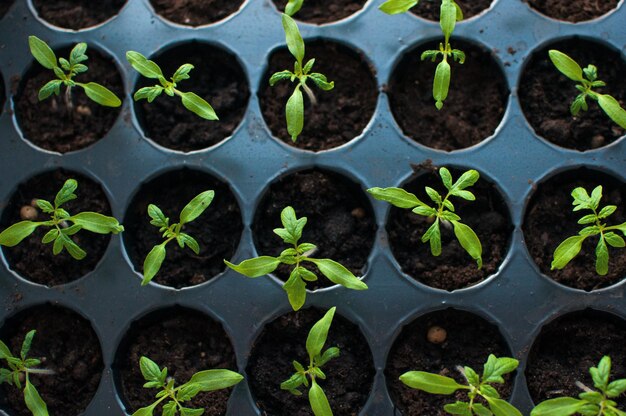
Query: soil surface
[
  {"x": 187, "y": 342},
  {"x": 546, "y": 95},
  {"x": 196, "y": 12},
  {"x": 464, "y": 119},
  {"x": 34, "y": 260},
  {"x": 77, "y": 14},
  {"x": 550, "y": 220},
  {"x": 340, "y": 221},
  {"x": 349, "y": 376},
  {"x": 217, "y": 230},
  {"x": 454, "y": 268},
  {"x": 431, "y": 9},
  {"x": 413, "y": 352},
  {"x": 340, "y": 115},
  {"x": 324, "y": 11},
  {"x": 49, "y": 124},
  {"x": 5, "y": 5},
  {"x": 568, "y": 347},
  {"x": 573, "y": 11},
  {"x": 217, "y": 77},
  {"x": 66, "y": 344}
]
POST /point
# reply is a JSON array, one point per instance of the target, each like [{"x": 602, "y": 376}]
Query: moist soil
[
  {"x": 568, "y": 347},
  {"x": 217, "y": 230},
  {"x": 573, "y": 11},
  {"x": 431, "y": 9},
  {"x": 340, "y": 115},
  {"x": 67, "y": 345},
  {"x": 546, "y": 95},
  {"x": 324, "y": 11},
  {"x": 340, "y": 221},
  {"x": 5, "y": 5},
  {"x": 550, "y": 220},
  {"x": 349, "y": 376},
  {"x": 34, "y": 260},
  {"x": 49, "y": 124},
  {"x": 413, "y": 352},
  {"x": 217, "y": 77},
  {"x": 465, "y": 119},
  {"x": 77, "y": 14},
  {"x": 454, "y": 268},
  {"x": 195, "y": 12},
  {"x": 187, "y": 342}
]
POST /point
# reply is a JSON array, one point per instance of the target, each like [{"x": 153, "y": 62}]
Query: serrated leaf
[
  {"x": 279, "y": 76},
  {"x": 606, "y": 211},
  {"x": 496, "y": 367},
  {"x": 616, "y": 388},
  {"x": 148, "y": 93},
  {"x": 189, "y": 241},
  {"x": 471, "y": 376},
  {"x": 26, "y": 344},
  {"x": 259, "y": 266},
  {"x": 182, "y": 72},
  {"x": 322, "y": 82},
  {"x": 296, "y": 290},
  {"x": 433, "y": 236},
  {"x": 77, "y": 54},
  {"x": 328, "y": 355},
  {"x": 146, "y": 411},
  {"x": 52, "y": 87}
]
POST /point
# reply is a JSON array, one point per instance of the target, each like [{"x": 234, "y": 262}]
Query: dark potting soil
[
  {"x": 413, "y": 352},
  {"x": 196, "y": 12},
  {"x": 566, "y": 349},
  {"x": 77, "y": 14},
  {"x": 34, "y": 260},
  {"x": 67, "y": 345},
  {"x": 546, "y": 95},
  {"x": 573, "y": 11},
  {"x": 185, "y": 342},
  {"x": 5, "y": 5},
  {"x": 340, "y": 221},
  {"x": 49, "y": 124},
  {"x": 349, "y": 376},
  {"x": 324, "y": 11},
  {"x": 340, "y": 115},
  {"x": 431, "y": 9},
  {"x": 550, "y": 220},
  {"x": 217, "y": 77},
  {"x": 465, "y": 119},
  {"x": 454, "y": 268},
  {"x": 217, "y": 230}
]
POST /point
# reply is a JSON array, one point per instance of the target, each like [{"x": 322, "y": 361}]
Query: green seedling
[
  {"x": 442, "y": 214},
  {"x": 295, "y": 256},
  {"x": 202, "y": 381},
  {"x": 293, "y": 7},
  {"x": 301, "y": 73},
  {"x": 19, "y": 371},
  {"x": 595, "y": 225},
  {"x": 587, "y": 80},
  {"x": 65, "y": 72},
  {"x": 449, "y": 15},
  {"x": 62, "y": 224},
  {"x": 477, "y": 387},
  {"x": 590, "y": 402},
  {"x": 150, "y": 69},
  {"x": 314, "y": 345},
  {"x": 190, "y": 212}
]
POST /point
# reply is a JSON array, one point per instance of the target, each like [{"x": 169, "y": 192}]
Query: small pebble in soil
[
  {"x": 358, "y": 213},
  {"x": 28, "y": 213},
  {"x": 436, "y": 335},
  {"x": 597, "y": 141}
]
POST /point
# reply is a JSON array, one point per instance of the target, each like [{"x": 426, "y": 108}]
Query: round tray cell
[
  {"x": 573, "y": 11},
  {"x": 77, "y": 14},
  {"x": 349, "y": 377},
  {"x": 464, "y": 120},
  {"x": 468, "y": 341},
  {"x": 217, "y": 77},
  {"x": 550, "y": 219},
  {"x": 340, "y": 222},
  {"x": 340, "y": 114},
  {"x": 51, "y": 124},
  {"x": 324, "y": 11},
  {"x": 217, "y": 230},
  {"x": 65, "y": 343},
  {"x": 430, "y": 9},
  {"x": 567, "y": 347},
  {"x": 5, "y": 5},
  {"x": 546, "y": 95},
  {"x": 454, "y": 269},
  {"x": 183, "y": 340},
  {"x": 196, "y": 12},
  {"x": 34, "y": 260}
]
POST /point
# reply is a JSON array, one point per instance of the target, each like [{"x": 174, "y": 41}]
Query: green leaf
[
  {"x": 182, "y": 72},
  {"x": 5, "y": 352},
  {"x": 612, "y": 109},
  {"x": 434, "y": 195},
  {"x": 587, "y": 219},
  {"x": 169, "y": 408},
  {"x": 28, "y": 341},
  {"x": 562, "y": 406},
  {"x": 295, "y": 114},
  {"x": 447, "y": 18},
  {"x": 425, "y": 211},
  {"x": 45, "y": 206},
  {"x": 75, "y": 251},
  {"x": 459, "y": 12},
  {"x": 148, "y": 93},
  {"x": 501, "y": 407},
  {"x": 488, "y": 390},
  {"x": 431, "y": 383},
  {"x": 395, "y": 196},
  {"x": 319, "y": 332},
  {"x": 101, "y": 95},
  {"x": 296, "y": 289},
  {"x": 152, "y": 263},
  {"x": 392, "y": 7},
  {"x": 256, "y": 267},
  {"x": 458, "y": 408},
  {"x": 602, "y": 258},
  {"x": 97, "y": 223},
  {"x": 52, "y": 87},
  {"x": 292, "y": 383},
  {"x": 196, "y": 207},
  {"x": 184, "y": 411},
  {"x": 441, "y": 84},
  {"x": 319, "y": 402},
  {"x": 433, "y": 235},
  {"x": 13, "y": 235},
  {"x": 322, "y": 82},
  {"x": 295, "y": 44},
  {"x": 279, "y": 76},
  {"x": 495, "y": 368},
  {"x": 606, "y": 211},
  {"x": 66, "y": 193},
  {"x": 77, "y": 54},
  {"x": 566, "y": 65},
  {"x": 308, "y": 66},
  {"x": 198, "y": 106},
  {"x": 616, "y": 388},
  {"x": 158, "y": 218},
  {"x": 328, "y": 355},
  {"x": 42, "y": 52},
  {"x": 601, "y": 373},
  {"x": 338, "y": 274},
  {"x": 187, "y": 240},
  {"x": 145, "y": 411},
  {"x": 466, "y": 180},
  {"x": 446, "y": 177},
  {"x": 293, "y": 226},
  {"x": 566, "y": 251},
  {"x": 145, "y": 67},
  {"x": 149, "y": 369},
  {"x": 211, "y": 380},
  {"x": 33, "y": 400},
  {"x": 471, "y": 376},
  {"x": 293, "y": 6}
]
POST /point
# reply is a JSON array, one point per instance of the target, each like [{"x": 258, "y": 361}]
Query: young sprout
[
  {"x": 296, "y": 255},
  {"x": 65, "y": 71},
  {"x": 477, "y": 386},
  {"x": 19, "y": 371},
  {"x": 202, "y": 381},
  {"x": 190, "y": 212},
  {"x": 587, "y": 80},
  {"x": 443, "y": 213},
  {"x": 570, "y": 248},
  {"x": 590, "y": 402},
  {"x": 150, "y": 69},
  {"x": 301, "y": 73},
  {"x": 314, "y": 345},
  {"x": 293, "y": 7},
  {"x": 59, "y": 222}
]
